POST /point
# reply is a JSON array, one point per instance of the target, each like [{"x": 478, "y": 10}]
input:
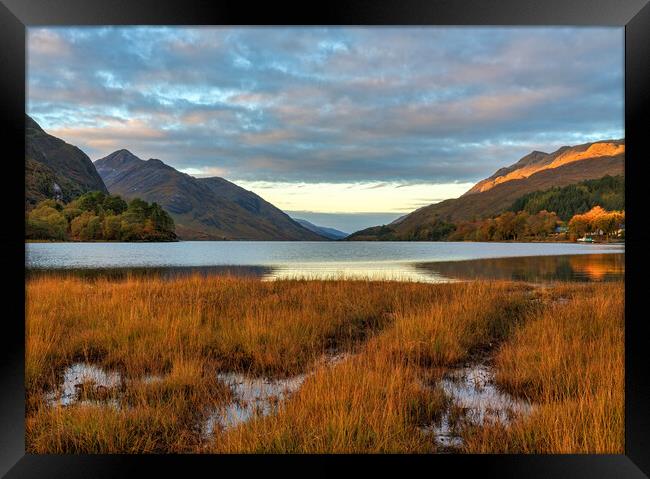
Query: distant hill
[
  {"x": 202, "y": 208},
  {"x": 54, "y": 168},
  {"x": 534, "y": 172},
  {"x": 330, "y": 233}
]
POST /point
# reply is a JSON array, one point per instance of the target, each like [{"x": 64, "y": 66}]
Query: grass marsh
[{"x": 169, "y": 338}]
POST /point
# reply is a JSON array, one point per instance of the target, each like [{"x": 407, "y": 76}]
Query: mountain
[
  {"x": 538, "y": 161},
  {"x": 52, "y": 164},
  {"x": 202, "y": 208},
  {"x": 330, "y": 233},
  {"x": 534, "y": 172}
]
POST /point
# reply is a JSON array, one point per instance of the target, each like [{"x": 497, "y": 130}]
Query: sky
[{"x": 345, "y": 127}]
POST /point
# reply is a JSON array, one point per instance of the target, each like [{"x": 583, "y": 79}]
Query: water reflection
[
  {"x": 581, "y": 267},
  {"x": 160, "y": 272},
  {"x": 85, "y": 384},
  {"x": 475, "y": 400},
  {"x": 346, "y": 254},
  {"x": 589, "y": 267},
  {"x": 378, "y": 271}
]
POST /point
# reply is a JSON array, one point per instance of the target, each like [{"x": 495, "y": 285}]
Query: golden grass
[
  {"x": 140, "y": 325},
  {"x": 568, "y": 358},
  {"x": 375, "y": 401},
  {"x": 401, "y": 336}
]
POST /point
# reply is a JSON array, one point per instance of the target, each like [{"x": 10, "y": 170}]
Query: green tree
[
  {"x": 114, "y": 204},
  {"x": 71, "y": 211},
  {"x": 607, "y": 192},
  {"x": 96, "y": 216},
  {"x": 161, "y": 220},
  {"x": 86, "y": 227},
  {"x": 91, "y": 201},
  {"x": 520, "y": 225},
  {"x": 137, "y": 211},
  {"x": 46, "y": 222},
  {"x": 112, "y": 227},
  {"x": 131, "y": 231}
]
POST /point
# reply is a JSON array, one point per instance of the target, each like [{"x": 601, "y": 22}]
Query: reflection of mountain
[
  {"x": 584, "y": 267},
  {"x": 599, "y": 268}
]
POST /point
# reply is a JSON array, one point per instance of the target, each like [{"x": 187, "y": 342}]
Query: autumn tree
[
  {"x": 86, "y": 227},
  {"x": 596, "y": 219},
  {"x": 97, "y": 216},
  {"x": 46, "y": 222}
]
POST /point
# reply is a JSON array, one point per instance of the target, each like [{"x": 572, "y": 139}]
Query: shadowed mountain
[
  {"x": 202, "y": 208},
  {"x": 330, "y": 233},
  {"x": 54, "y": 168},
  {"x": 489, "y": 197}
]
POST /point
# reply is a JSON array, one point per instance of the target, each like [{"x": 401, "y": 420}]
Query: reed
[
  {"x": 568, "y": 358},
  {"x": 167, "y": 338},
  {"x": 380, "y": 399}
]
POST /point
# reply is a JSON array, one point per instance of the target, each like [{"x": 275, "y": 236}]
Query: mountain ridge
[
  {"x": 493, "y": 195},
  {"x": 56, "y": 168},
  {"x": 331, "y": 233},
  {"x": 202, "y": 208},
  {"x": 537, "y": 161}
]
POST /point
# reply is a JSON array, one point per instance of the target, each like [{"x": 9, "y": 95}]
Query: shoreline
[{"x": 325, "y": 241}]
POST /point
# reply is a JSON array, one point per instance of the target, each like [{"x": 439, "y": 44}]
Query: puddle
[
  {"x": 97, "y": 383},
  {"x": 475, "y": 399},
  {"x": 88, "y": 384},
  {"x": 253, "y": 396},
  {"x": 258, "y": 395}
]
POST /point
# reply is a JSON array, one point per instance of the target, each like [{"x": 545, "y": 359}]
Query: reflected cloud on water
[{"x": 377, "y": 271}]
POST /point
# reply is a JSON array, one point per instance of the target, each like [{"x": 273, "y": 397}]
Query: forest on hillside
[
  {"x": 557, "y": 214},
  {"x": 568, "y": 201},
  {"x": 96, "y": 216},
  {"x": 542, "y": 226}
]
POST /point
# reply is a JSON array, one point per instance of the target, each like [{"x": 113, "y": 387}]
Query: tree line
[
  {"x": 559, "y": 213},
  {"x": 508, "y": 226},
  {"x": 96, "y": 216},
  {"x": 568, "y": 201},
  {"x": 597, "y": 221},
  {"x": 541, "y": 226}
]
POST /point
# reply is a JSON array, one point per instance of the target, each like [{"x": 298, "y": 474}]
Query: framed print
[{"x": 388, "y": 233}]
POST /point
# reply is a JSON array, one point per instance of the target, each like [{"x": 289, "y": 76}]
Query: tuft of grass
[
  {"x": 378, "y": 399},
  {"x": 168, "y": 338},
  {"x": 568, "y": 358}
]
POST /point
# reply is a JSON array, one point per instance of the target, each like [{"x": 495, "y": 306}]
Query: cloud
[
  {"x": 47, "y": 43},
  {"x": 358, "y": 197},
  {"x": 328, "y": 105},
  {"x": 205, "y": 172}
]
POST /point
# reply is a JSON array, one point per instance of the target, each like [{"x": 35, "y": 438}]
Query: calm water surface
[{"x": 418, "y": 261}]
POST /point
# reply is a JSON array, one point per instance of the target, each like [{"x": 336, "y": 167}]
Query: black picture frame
[{"x": 17, "y": 15}]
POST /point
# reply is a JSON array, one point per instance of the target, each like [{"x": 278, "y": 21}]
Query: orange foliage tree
[{"x": 595, "y": 220}]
